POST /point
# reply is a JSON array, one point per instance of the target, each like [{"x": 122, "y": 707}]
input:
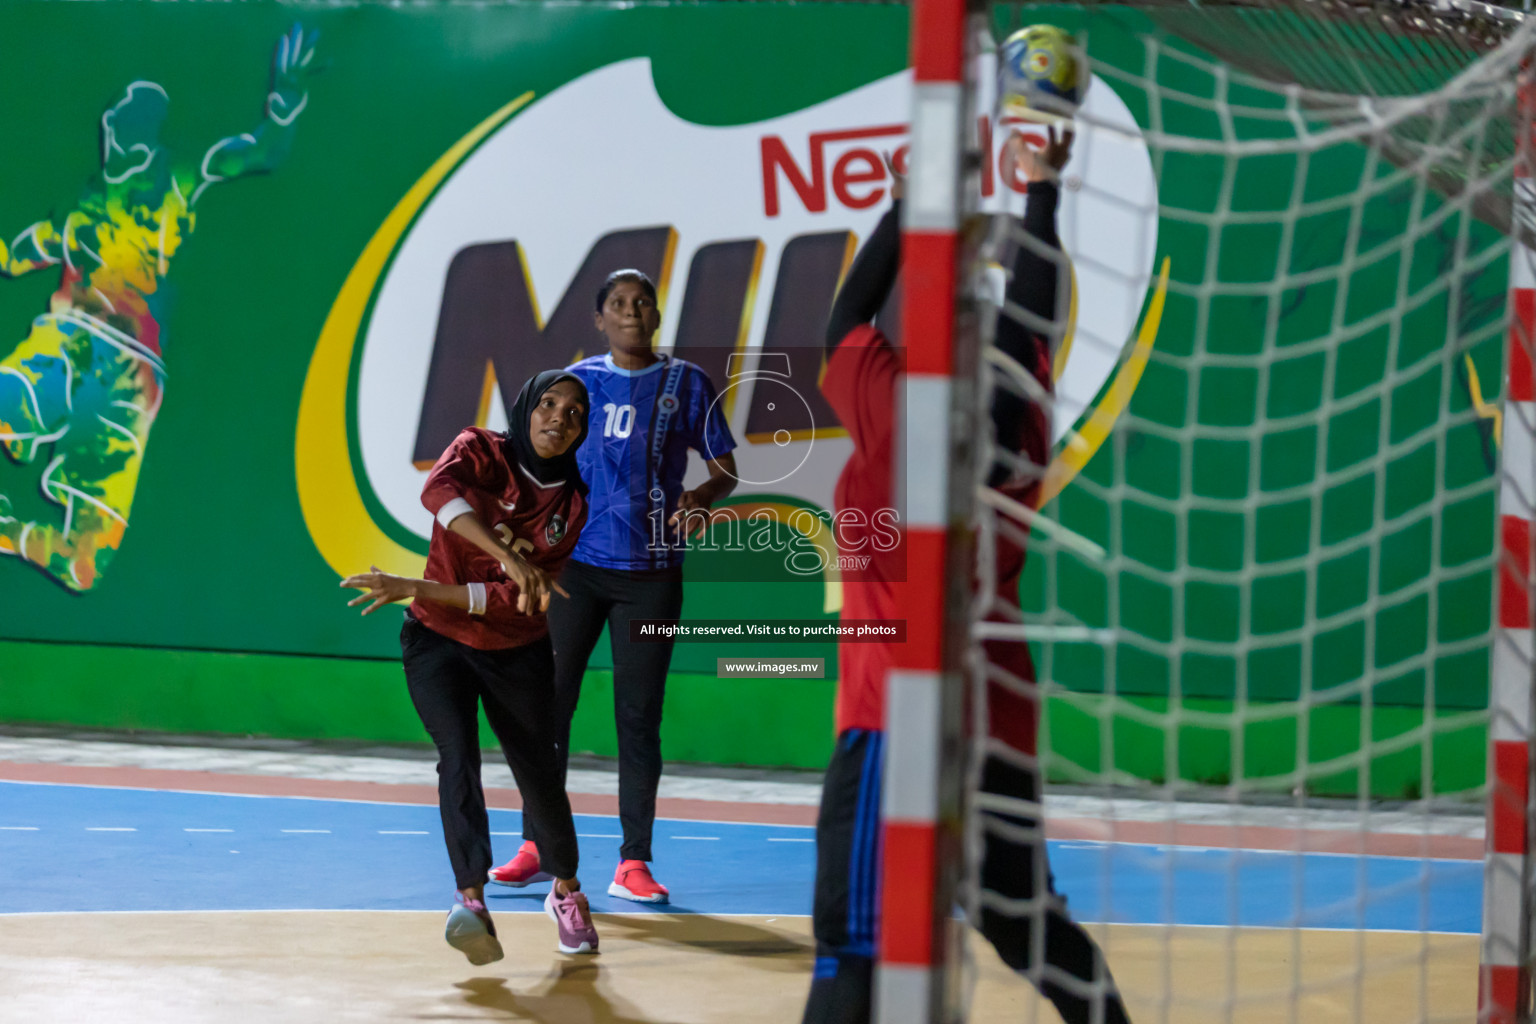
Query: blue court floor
[{"x": 83, "y": 848}]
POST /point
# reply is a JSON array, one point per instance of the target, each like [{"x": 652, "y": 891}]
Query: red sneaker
[
  {"x": 633, "y": 881},
  {"x": 520, "y": 870}
]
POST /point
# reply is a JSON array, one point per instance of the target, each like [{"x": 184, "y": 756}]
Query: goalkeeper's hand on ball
[
  {"x": 898, "y": 179},
  {"x": 1042, "y": 164}
]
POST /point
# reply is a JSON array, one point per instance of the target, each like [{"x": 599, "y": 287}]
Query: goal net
[{"x": 1277, "y": 582}]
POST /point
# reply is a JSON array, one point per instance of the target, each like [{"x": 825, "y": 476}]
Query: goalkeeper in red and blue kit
[{"x": 861, "y": 383}]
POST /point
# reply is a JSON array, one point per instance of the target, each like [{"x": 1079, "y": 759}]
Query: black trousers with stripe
[
  {"x": 612, "y": 597},
  {"x": 845, "y": 915},
  {"x": 449, "y": 681}
]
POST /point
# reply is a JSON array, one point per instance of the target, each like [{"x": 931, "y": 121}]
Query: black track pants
[
  {"x": 448, "y": 681},
  {"x": 612, "y": 597}
]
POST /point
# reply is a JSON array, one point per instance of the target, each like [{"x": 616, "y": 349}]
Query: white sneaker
[{"x": 470, "y": 931}]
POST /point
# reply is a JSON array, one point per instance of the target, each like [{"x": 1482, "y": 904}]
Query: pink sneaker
[
  {"x": 520, "y": 870},
  {"x": 470, "y": 931},
  {"x": 573, "y": 920},
  {"x": 633, "y": 881}
]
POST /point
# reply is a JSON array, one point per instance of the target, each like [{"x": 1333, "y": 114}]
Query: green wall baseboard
[
  {"x": 180, "y": 691},
  {"x": 772, "y": 722},
  {"x": 784, "y": 722}
]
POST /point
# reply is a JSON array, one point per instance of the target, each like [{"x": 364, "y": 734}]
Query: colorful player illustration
[{"x": 79, "y": 394}]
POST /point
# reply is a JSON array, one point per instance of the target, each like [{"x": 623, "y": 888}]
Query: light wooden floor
[{"x": 316, "y": 968}]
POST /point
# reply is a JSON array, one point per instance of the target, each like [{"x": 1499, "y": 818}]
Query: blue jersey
[{"x": 642, "y": 423}]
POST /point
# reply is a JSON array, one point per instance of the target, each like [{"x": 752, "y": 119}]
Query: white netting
[{"x": 1260, "y": 593}]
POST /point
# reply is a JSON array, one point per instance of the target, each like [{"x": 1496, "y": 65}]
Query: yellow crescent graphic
[
  {"x": 1059, "y": 365},
  {"x": 819, "y": 536},
  {"x": 338, "y": 521},
  {"x": 1485, "y": 410},
  {"x": 1082, "y": 444}
]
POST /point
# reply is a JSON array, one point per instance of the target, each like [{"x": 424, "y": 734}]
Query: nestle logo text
[
  {"x": 858, "y": 172},
  {"x": 847, "y": 165}
]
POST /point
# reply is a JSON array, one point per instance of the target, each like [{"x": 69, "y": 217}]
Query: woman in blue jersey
[{"x": 648, "y": 409}]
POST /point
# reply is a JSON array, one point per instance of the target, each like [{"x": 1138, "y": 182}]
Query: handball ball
[{"x": 1042, "y": 74}]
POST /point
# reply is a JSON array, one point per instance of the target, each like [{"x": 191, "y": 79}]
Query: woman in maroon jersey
[{"x": 508, "y": 510}]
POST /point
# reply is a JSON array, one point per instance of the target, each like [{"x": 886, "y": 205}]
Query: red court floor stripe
[
  {"x": 1156, "y": 833},
  {"x": 1267, "y": 837},
  {"x": 383, "y": 792}
]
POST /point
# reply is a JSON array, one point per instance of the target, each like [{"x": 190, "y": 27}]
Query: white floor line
[
  {"x": 1152, "y": 807},
  {"x": 389, "y": 770},
  {"x": 435, "y": 913}
]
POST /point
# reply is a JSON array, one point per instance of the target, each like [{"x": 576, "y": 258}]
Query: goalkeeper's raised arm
[
  {"x": 872, "y": 275},
  {"x": 1034, "y": 286}
]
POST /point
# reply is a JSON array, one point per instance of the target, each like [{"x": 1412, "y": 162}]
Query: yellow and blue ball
[{"x": 1042, "y": 74}]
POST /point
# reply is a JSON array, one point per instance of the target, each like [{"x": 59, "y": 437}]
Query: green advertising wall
[{"x": 1300, "y": 561}]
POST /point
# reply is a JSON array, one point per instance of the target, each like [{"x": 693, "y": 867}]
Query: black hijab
[{"x": 561, "y": 467}]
